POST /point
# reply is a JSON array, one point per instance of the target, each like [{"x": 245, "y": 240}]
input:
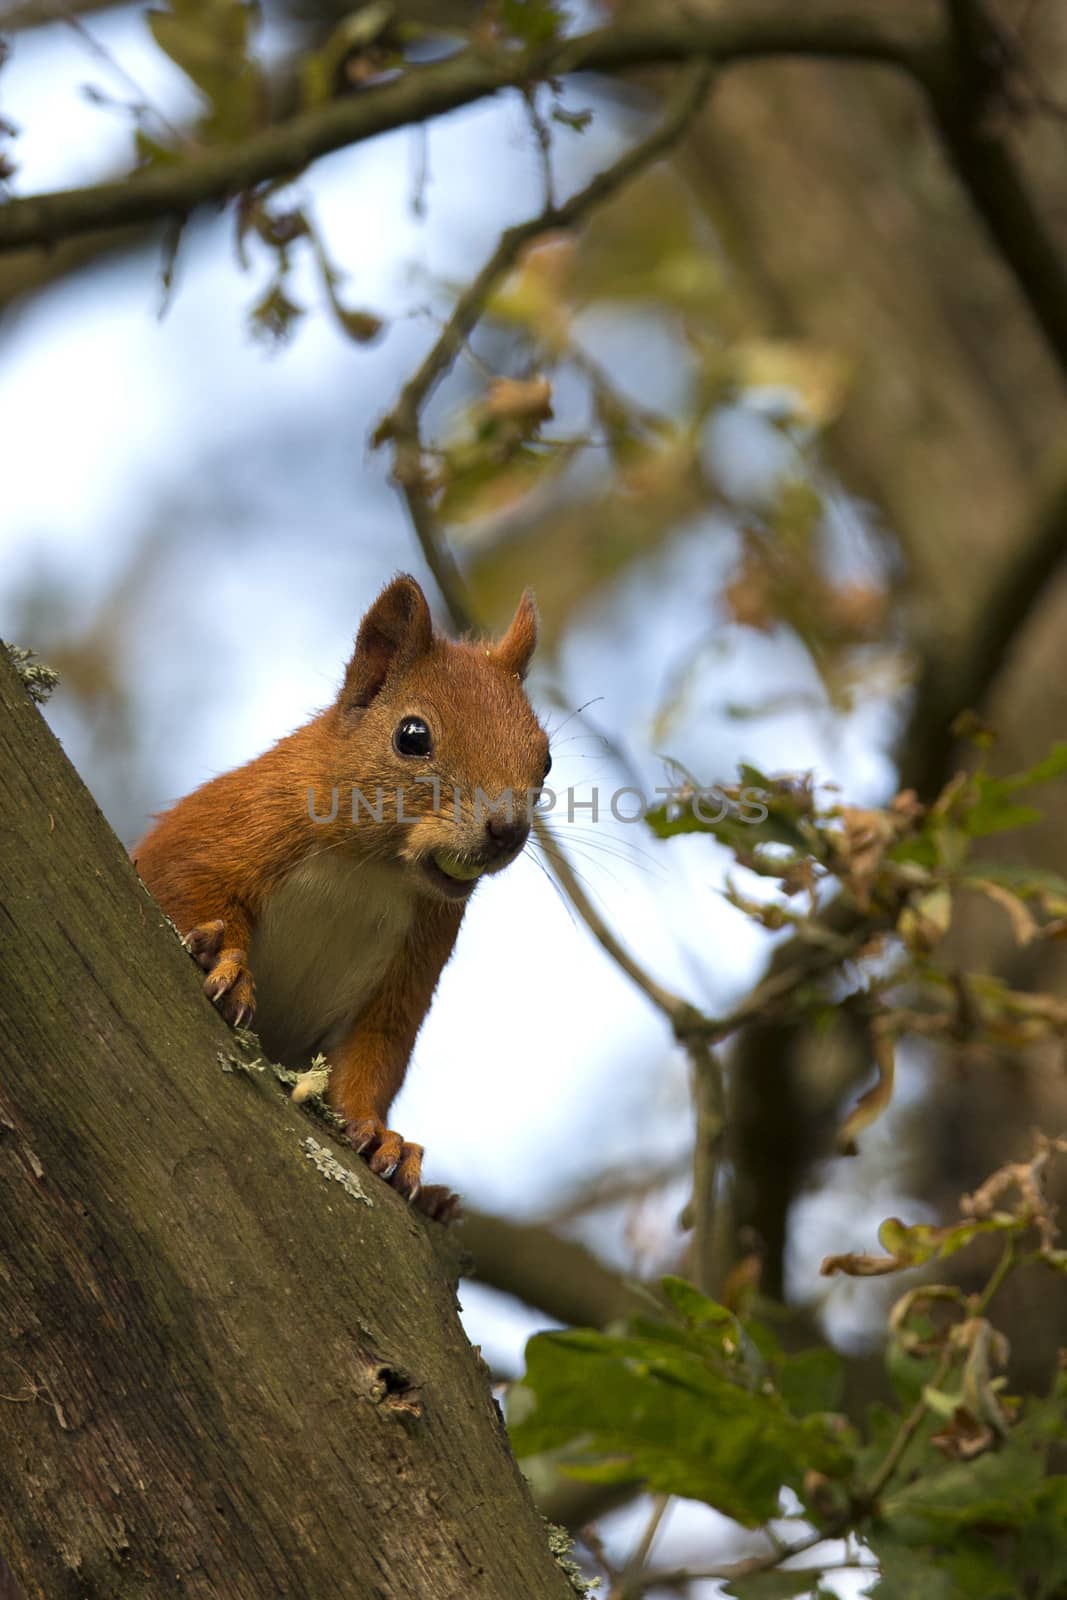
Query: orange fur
[{"x": 334, "y": 932}]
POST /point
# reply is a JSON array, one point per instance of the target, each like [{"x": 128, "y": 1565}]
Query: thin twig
[
  {"x": 903, "y": 1437},
  {"x": 872, "y": 1492},
  {"x": 709, "y": 1100},
  {"x": 830, "y": 28},
  {"x": 747, "y": 1567},
  {"x": 818, "y": 948},
  {"x": 679, "y": 1577},
  {"x": 674, "y": 1008},
  {"x": 543, "y": 139},
  {"x": 629, "y": 1583},
  {"x": 407, "y": 470},
  {"x": 401, "y": 424},
  {"x": 65, "y": 13},
  {"x": 609, "y": 1189}
]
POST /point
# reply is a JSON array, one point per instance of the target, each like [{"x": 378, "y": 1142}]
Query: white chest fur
[{"x": 320, "y": 949}]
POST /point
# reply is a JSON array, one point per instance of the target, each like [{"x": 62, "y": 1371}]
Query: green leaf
[
  {"x": 812, "y": 1381},
  {"x": 209, "y": 41},
  {"x": 1043, "y": 1542},
  {"x": 274, "y": 317},
  {"x": 996, "y": 813},
  {"x": 923, "y": 1241},
  {"x": 361, "y": 326},
  {"x": 774, "y": 1585},
  {"x": 672, "y": 1414},
  {"x": 478, "y": 484},
  {"x": 535, "y": 22},
  {"x": 577, "y": 121},
  {"x": 908, "y": 1574},
  {"x": 758, "y": 811},
  {"x": 909, "y": 1373},
  {"x": 694, "y": 1306},
  {"x": 989, "y": 1529},
  {"x": 994, "y": 809},
  {"x": 1052, "y": 766},
  {"x": 151, "y": 153},
  {"x": 993, "y": 1489}
]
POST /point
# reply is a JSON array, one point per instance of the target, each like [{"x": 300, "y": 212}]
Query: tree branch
[
  {"x": 553, "y": 1274},
  {"x": 679, "y": 1013},
  {"x": 831, "y": 29},
  {"x": 19, "y": 15},
  {"x": 957, "y": 64},
  {"x": 964, "y": 100},
  {"x": 401, "y": 424},
  {"x": 962, "y": 684},
  {"x": 28, "y": 272}
]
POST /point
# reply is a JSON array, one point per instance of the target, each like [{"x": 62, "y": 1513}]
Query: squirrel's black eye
[
  {"x": 412, "y": 737},
  {"x": 548, "y": 766}
]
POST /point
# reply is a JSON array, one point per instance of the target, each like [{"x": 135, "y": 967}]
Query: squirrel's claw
[
  {"x": 205, "y": 943},
  {"x": 229, "y": 984},
  {"x": 408, "y": 1171},
  {"x": 400, "y": 1164},
  {"x": 386, "y": 1153},
  {"x": 362, "y": 1133},
  {"x": 232, "y": 992}
]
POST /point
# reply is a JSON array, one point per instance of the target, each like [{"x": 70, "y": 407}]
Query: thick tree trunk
[{"x": 222, "y": 1373}]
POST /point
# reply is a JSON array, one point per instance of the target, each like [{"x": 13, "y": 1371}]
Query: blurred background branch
[{"x": 214, "y": 175}]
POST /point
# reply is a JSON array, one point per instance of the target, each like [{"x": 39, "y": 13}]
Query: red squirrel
[{"x": 330, "y": 931}]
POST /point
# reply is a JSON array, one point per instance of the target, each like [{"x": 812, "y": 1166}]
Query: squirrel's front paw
[
  {"x": 400, "y": 1164},
  {"x": 387, "y": 1154},
  {"x": 228, "y": 985}
]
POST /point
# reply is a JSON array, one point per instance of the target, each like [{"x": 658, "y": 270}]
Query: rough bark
[{"x": 221, "y": 1373}]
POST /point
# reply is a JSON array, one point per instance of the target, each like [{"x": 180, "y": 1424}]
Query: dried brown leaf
[
  {"x": 871, "y": 1105},
  {"x": 519, "y": 399}
]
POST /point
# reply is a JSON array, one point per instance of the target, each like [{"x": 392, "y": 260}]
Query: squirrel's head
[{"x": 442, "y": 745}]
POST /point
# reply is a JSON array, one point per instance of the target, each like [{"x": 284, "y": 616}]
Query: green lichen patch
[
  {"x": 562, "y": 1545},
  {"x": 331, "y": 1168},
  {"x": 231, "y": 1063},
  {"x": 39, "y": 678}
]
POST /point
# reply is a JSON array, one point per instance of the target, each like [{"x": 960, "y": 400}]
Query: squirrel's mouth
[{"x": 453, "y": 874}]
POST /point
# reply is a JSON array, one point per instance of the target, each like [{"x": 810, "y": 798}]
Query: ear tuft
[
  {"x": 395, "y": 632},
  {"x": 514, "y": 651}
]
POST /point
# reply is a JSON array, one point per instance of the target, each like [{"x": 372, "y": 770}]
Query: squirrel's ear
[
  {"x": 394, "y": 633},
  {"x": 520, "y": 640},
  {"x": 515, "y": 649}
]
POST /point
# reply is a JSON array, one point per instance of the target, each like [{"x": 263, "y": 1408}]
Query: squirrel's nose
[{"x": 508, "y": 835}]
